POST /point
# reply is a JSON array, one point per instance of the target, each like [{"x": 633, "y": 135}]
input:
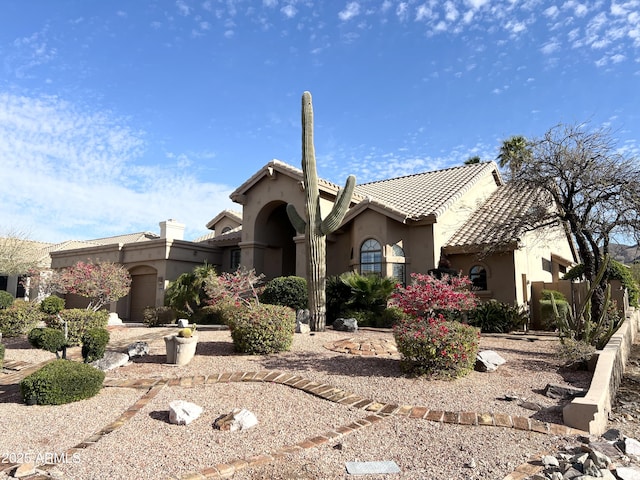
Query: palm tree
[
  {"x": 186, "y": 293},
  {"x": 514, "y": 152}
]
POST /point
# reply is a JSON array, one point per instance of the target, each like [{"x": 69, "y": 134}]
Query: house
[
  {"x": 394, "y": 227},
  {"x": 152, "y": 261},
  {"x": 400, "y": 226}
]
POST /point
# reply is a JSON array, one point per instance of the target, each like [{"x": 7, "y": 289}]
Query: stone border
[
  {"x": 591, "y": 412},
  {"x": 377, "y": 412}
]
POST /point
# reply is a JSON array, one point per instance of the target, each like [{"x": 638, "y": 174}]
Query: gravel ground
[{"x": 149, "y": 447}]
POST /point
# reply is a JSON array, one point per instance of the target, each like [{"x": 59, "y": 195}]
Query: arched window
[
  {"x": 225, "y": 230},
  {"x": 399, "y": 268},
  {"x": 478, "y": 276},
  {"x": 370, "y": 257}
]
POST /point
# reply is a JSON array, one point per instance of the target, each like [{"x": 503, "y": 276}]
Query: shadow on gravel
[
  {"x": 10, "y": 393},
  {"x": 341, "y": 364},
  {"x": 161, "y": 415}
]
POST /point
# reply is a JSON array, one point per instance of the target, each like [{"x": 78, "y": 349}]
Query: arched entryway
[{"x": 274, "y": 231}]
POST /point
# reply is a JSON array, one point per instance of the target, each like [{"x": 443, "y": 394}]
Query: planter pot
[{"x": 180, "y": 350}]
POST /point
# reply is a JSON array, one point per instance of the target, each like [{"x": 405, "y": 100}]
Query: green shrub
[
  {"x": 78, "y": 322},
  {"x": 387, "y": 318},
  {"x": 368, "y": 292},
  {"x": 1, "y": 355},
  {"x": 6, "y": 299},
  {"x": 49, "y": 339},
  {"x": 19, "y": 318},
  {"x": 158, "y": 316},
  {"x": 52, "y": 305},
  {"x": 338, "y": 295},
  {"x": 288, "y": 291},
  {"x": 436, "y": 347},
  {"x": 94, "y": 343},
  {"x": 262, "y": 329},
  {"x": 558, "y": 296},
  {"x": 217, "y": 314},
  {"x": 496, "y": 317},
  {"x": 61, "y": 381},
  {"x": 548, "y": 316}
]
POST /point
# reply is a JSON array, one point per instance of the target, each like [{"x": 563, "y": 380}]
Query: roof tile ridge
[{"x": 488, "y": 167}]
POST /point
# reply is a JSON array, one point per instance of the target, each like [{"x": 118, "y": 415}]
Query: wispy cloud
[
  {"x": 351, "y": 10},
  {"x": 77, "y": 169}
]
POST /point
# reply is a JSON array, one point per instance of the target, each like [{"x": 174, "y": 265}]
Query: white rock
[
  {"x": 182, "y": 412},
  {"x": 238, "y": 419},
  {"x": 632, "y": 447},
  {"x": 628, "y": 473},
  {"x": 111, "y": 360},
  {"x": 183, "y": 323}
]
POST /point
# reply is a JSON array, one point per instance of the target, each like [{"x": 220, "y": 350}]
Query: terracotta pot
[{"x": 180, "y": 350}]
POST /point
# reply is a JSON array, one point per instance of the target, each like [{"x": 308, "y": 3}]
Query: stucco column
[
  {"x": 252, "y": 255},
  {"x": 301, "y": 256}
]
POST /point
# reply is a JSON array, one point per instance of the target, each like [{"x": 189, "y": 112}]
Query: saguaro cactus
[{"x": 314, "y": 227}]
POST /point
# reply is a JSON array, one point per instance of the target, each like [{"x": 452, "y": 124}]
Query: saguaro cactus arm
[
  {"x": 339, "y": 210},
  {"x": 296, "y": 220}
]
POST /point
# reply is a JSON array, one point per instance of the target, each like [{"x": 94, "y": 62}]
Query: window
[
  {"x": 370, "y": 257},
  {"x": 235, "y": 259},
  {"x": 399, "y": 269},
  {"x": 478, "y": 276},
  {"x": 225, "y": 230}
]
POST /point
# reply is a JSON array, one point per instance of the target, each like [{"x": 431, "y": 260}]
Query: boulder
[
  {"x": 183, "y": 323},
  {"x": 238, "y": 419},
  {"x": 345, "y": 324},
  {"x": 565, "y": 392},
  {"x": 138, "y": 349},
  {"x": 111, "y": 360},
  {"x": 182, "y": 412},
  {"x": 488, "y": 361}
]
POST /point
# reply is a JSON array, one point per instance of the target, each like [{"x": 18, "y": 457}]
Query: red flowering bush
[
  {"x": 436, "y": 347},
  {"x": 429, "y": 343},
  {"x": 427, "y": 295}
]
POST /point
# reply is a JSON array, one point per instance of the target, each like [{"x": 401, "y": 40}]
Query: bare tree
[
  {"x": 18, "y": 254},
  {"x": 592, "y": 186}
]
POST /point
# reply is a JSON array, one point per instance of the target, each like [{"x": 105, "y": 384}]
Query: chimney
[{"x": 172, "y": 230}]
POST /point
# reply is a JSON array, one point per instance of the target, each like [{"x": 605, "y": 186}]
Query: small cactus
[{"x": 185, "y": 333}]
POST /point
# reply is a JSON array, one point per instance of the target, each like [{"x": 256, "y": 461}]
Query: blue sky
[{"x": 116, "y": 115}]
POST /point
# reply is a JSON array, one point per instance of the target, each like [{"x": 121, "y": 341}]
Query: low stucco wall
[{"x": 591, "y": 412}]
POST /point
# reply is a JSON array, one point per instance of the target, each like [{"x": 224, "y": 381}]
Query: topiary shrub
[
  {"x": 94, "y": 343},
  {"x": 436, "y": 347},
  {"x": 158, "y": 316},
  {"x": 19, "y": 318},
  {"x": 49, "y": 339},
  {"x": 52, "y": 305},
  {"x": 61, "y": 381},
  {"x": 78, "y": 322},
  {"x": 288, "y": 291},
  {"x": 263, "y": 329},
  {"x": 496, "y": 317},
  {"x": 1, "y": 355},
  {"x": 6, "y": 299}
]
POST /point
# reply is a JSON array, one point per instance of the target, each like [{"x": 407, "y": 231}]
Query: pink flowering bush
[
  {"x": 436, "y": 347},
  {"x": 427, "y": 295},
  {"x": 429, "y": 343}
]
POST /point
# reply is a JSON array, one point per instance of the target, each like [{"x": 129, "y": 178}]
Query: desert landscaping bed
[{"x": 147, "y": 446}]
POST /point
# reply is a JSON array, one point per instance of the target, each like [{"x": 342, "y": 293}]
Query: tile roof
[
  {"x": 430, "y": 193},
  {"x": 493, "y": 222},
  {"x": 232, "y": 214}
]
